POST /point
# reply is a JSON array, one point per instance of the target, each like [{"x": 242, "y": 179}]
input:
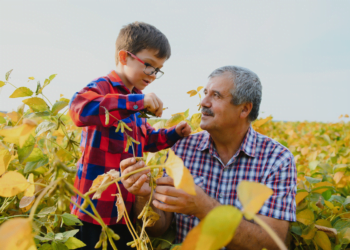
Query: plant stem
[
  {"x": 11, "y": 84},
  {"x": 32, "y": 211},
  {"x": 46, "y": 98},
  {"x": 273, "y": 235},
  {"x": 84, "y": 210},
  {"x": 62, "y": 148}
]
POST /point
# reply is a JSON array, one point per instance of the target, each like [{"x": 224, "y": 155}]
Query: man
[{"x": 227, "y": 152}]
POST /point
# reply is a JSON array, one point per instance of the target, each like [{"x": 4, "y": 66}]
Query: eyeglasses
[{"x": 149, "y": 70}]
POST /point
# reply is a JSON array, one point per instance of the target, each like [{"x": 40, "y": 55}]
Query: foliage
[{"x": 39, "y": 149}]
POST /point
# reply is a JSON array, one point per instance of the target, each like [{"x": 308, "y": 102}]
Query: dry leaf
[
  {"x": 26, "y": 203},
  {"x": 101, "y": 180},
  {"x": 120, "y": 206}
]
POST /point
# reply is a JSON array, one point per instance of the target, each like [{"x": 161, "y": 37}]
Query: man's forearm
[{"x": 249, "y": 235}]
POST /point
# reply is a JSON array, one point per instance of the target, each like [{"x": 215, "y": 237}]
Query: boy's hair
[{"x": 137, "y": 36}]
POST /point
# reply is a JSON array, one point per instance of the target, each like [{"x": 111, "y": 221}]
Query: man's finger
[
  {"x": 166, "y": 199},
  {"x": 134, "y": 167},
  {"x": 138, "y": 184},
  {"x": 165, "y": 181},
  {"x": 169, "y": 191},
  {"x": 165, "y": 207}
]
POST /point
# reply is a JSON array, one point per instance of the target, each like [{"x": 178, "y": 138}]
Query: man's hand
[
  {"x": 153, "y": 104},
  {"x": 183, "y": 129},
  {"x": 176, "y": 200},
  {"x": 137, "y": 183}
]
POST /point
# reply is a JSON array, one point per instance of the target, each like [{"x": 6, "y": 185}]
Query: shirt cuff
[
  {"x": 135, "y": 102},
  {"x": 172, "y": 135}
]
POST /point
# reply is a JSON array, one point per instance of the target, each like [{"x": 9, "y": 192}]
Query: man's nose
[{"x": 205, "y": 101}]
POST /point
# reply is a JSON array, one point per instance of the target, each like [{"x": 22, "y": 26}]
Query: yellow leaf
[
  {"x": 338, "y": 176},
  {"x": 192, "y": 93},
  {"x": 322, "y": 240},
  {"x": 252, "y": 196},
  {"x": 304, "y": 151},
  {"x": 158, "y": 125},
  {"x": 182, "y": 177},
  {"x": 346, "y": 116},
  {"x": 12, "y": 183},
  {"x": 26, "y": 203},
  {"x": 5, "y": 157},
  {"x": 341, "y": 116},
  {"x": 199, "y": 88},
  {"x": 174, "y": 120},
  {"x": 321, "y": 184},
  {"x": 196, "y": 119},
  {"x": 310, "y": 234},
  {"x": 31, "y": 78},
  {"x": 329, "y": 204},
  {"x": 192, "y": 237},
  {"x": 219, "y": 227},
  {"x": 300, "y": 196},
  {"x": 17, "y": 134},
  {"x": 150, "y": 155},
  {"x": 21, "y": 92},
  {"x": 261, "y": 122},
  {"x": 16, "y": 234},
  {"x": 13, "y": 116},
  {"x": 61, "y": 95},
  {"x": 323, "y": 222},
  {"x": 306, "y": 217},
  {"x": 30, "y": 190},
  {"x": 36, "y": 103}
]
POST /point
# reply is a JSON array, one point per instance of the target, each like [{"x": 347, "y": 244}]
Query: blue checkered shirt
[{"x": 258, "y": 159}]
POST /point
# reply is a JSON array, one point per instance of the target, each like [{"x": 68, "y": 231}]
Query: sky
[{"x": 299, "y": 49}]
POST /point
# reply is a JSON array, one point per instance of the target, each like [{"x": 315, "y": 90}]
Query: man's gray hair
[{"x": 247, "y": 87}]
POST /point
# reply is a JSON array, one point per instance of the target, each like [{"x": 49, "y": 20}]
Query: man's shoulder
[
  {"x": 269, "y": 145},
  {"x": 194, "y": 141}
]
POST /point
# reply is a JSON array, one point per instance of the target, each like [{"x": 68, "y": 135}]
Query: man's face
[
  {"x": 218, "y": 113},
  {"x": 134, "y": 72}
]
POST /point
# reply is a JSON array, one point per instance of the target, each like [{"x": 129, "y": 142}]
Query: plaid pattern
[
  {"x": 259, "y": 159},
  {"x": 102, "y": 147}
]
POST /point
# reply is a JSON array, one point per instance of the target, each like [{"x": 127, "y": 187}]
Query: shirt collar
[
  {"x": 117, "y": 82},
  {"x": 248, "y": 145}
]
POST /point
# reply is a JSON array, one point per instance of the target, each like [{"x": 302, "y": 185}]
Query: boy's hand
[
  {"x": 153, "y": 104},
  {"x": 183, "y": 129}
]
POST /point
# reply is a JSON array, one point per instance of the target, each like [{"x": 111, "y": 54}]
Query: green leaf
[
  {"x": 26, "y": 150},
  {"x": 2, "y": 84},
  {"x": 36, "y": 155},
  {"x": 187, "y": 113},
  {"x": 327, "y": 194},
  {"x": 45, "y": 211},
  {"x": 58, "y": 246},
  {"x": 8, "y": 75},
  {"x": 71, "y": 220},
  {"x": 21, "y": 92},
  {"x": 51, "y": 77},
  {"x": 39, "y": 114},
  {"x": 312, "y": 180},
  {"x": 44, "y": 127},
  {"x": 313, "y": 165},
  {"x": 69, "y": 234},
  {"x": 58, "y": 106},
  {"x": 2, "y": 120},
  {"x": 74, "y": 243},
  {"x": 36, "y": 103},
  {"x": 46, "y": 246},
  {"x": 32, "y": 166},
  {"x": 297, "y": 230}
]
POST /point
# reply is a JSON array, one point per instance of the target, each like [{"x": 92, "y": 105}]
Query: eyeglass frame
[{"x": 147, "y": 65}]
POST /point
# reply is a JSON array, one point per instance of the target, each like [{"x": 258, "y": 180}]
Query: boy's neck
[{"x": 123, "y": 78}]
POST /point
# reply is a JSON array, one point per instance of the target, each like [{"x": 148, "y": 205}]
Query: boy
[{"x": 141, "y": 51}]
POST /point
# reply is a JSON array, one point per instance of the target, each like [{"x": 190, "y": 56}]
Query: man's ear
[
  {"x": 122, "y": 57},
  {"x": 246, "y": 109}
]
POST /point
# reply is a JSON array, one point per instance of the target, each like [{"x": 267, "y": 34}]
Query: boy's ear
[{"x": 122, "y": 56}]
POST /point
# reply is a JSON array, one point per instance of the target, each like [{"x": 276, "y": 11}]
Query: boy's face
[{"x": 134, "y": 69}]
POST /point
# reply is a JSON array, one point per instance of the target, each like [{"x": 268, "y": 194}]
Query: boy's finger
[
  {"x": 126, "y": 163},
  {"x": 138, "y": 184}
]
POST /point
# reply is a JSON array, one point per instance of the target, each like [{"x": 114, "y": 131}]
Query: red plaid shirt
[{"x": 103, "y": 148}]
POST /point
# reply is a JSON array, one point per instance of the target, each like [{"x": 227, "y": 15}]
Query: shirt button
[
  {"x": 221, "y": 195},
  {"x": 135, "y": 106}
]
